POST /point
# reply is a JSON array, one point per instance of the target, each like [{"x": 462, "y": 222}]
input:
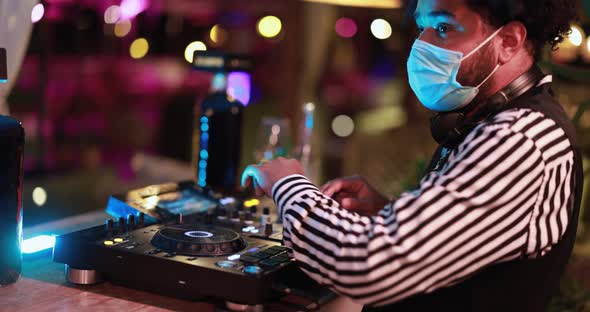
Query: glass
[{"x": 273, "y": 139}]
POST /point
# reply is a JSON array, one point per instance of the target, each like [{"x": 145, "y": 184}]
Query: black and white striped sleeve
[{"x": 479, "y": 209}]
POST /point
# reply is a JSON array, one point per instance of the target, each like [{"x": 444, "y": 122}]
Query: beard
[{"x": 477, "y": 67}]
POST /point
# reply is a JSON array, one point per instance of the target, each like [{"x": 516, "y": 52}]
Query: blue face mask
[{"x": 432, "y": 72}]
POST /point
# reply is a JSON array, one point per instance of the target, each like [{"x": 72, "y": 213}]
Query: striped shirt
[{"x": 503, "y": 194}]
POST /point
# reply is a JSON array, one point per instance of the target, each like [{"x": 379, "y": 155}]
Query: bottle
[
  {"x": 217, "y": 153},
  {"x": 11, "y": 214}
]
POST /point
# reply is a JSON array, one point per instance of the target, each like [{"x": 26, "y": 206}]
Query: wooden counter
[{"x": 42, "y": 287}]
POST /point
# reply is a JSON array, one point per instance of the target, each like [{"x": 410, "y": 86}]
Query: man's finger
[
  {"x": 325, "y": 186},
  {"x": 332, "y": 188},
  {"x": 250, "y": 173}
]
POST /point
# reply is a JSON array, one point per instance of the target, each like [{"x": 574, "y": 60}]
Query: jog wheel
[{"x": 198, "y": 240}]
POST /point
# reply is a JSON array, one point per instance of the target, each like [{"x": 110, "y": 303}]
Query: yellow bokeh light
[
  {"x": 218, "y": 34},
  {"x": 122, "y": 28},
  {"x": 269, "y": 26},
  {"x": 139, "y": 48},
  {"x": 381, "y": 29},
  {"x": 39, "y": 196},
  {"x": 191, "y": 48},
  {"x": 380, "y": 4},
  {"x": 342, "y": 126}
]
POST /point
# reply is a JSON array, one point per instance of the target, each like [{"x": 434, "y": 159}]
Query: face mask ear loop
[
  {"x": 482, "y": 44},
  {"x": 488, "y": 77}
]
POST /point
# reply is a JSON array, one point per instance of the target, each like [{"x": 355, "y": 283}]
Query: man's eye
[
  {"x": 442, "y": 28},
  {"x": 420, "y": 29}
]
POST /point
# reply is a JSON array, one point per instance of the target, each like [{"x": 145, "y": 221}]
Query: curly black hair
[{"x": 546, "y": 21}]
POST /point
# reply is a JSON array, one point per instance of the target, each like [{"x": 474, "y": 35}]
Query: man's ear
[{"x": 514, "y": 36}]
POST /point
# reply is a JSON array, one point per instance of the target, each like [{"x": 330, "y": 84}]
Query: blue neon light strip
[
  {"x": 38, "y": 243},
  {"x": 203, "y": 154}
]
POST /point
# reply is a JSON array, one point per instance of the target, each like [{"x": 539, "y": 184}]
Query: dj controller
[{"x": 185, "y": 241}]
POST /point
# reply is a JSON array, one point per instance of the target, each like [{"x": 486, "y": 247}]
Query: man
[{"x": 492, "y": 223}]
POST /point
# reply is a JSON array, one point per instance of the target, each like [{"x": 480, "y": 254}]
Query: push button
[
  {"x": 272, "y": 251},
  {"x": 281, "y": 258},
  {"x": 226, "y": 264},
  {"x": 261, "y": 255},
  {"x": 270, "y": 263},
  {"x": 279, "y": 248},
  {"x": 253, "y": 270},
  {"x": 249, "y": 259}
]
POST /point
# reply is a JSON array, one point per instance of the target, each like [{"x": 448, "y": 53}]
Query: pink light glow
[
  {"x": 346, "y": 27},
  {"x": 37, "y": 13},
  {"x": 238, "y": 86},
  {"x": 130, "y": 8}
]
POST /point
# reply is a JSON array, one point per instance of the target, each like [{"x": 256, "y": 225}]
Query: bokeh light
[
  {"x": 122, "y": 28},
  {"x": 269, "y": 26},
  {"x": 576, "y": 36},
  {"x": 39, "y": 196},
  {"x": 139, "y": 48},
  {"x": 112, "y": 14},
  {"x": 346, "y": 27},
  {"x": 37, "y": 12},
  {"x": 189, "y": 52},
  {"x": 381, "y": 29},
  {"x": 343, "y": 125},
  {"x": 130, "y": 8},
  {"x": 218, "y": 35},
  {"x": 586, "y": 52},
  {"x": 571, "y": 47}
]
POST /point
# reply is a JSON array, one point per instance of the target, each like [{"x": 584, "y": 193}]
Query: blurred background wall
[
  {"x": 108, "y": 96},
  {"x": 107, "y": 93}
]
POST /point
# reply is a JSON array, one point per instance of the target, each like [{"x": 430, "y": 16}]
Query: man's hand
[
  {"x": 355, "y": 194},
  {"x": 263, "y": 176}
]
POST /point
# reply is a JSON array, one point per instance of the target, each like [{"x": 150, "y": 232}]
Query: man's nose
[{"x": 428, "y": 35}]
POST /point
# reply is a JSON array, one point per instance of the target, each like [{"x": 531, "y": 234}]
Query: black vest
[{"x": 518, "y": 285}]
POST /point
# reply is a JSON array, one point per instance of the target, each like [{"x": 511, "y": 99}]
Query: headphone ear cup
[{"x": 445, "y": 127}]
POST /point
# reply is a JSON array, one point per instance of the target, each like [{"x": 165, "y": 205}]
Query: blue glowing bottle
[
  {"x": 11, "y": 214},
  {"x": 217, "y": 153}
]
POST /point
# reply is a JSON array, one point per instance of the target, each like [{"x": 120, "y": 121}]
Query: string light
[
  {"x": 380, "y": 4},
  {"x": 346, "y": 27},
  {"x": 39, "y": 196},
  {"x": 381, "y": 29},
  {"x": 139, "y": 48},
  {"x": 189, "y": 52},
  {"x": 122, "y": 28},
  {"x": 342, "y": 125},
  {"x": 586, "y": 52},
  {"x": 269, "y": 26},
  {"x": 112, "y": 14},
  {"x": 217, "y": 35},
  {"x": 576, "y": 35},
  {"x": 569, "y": 49},
  {"x": 37, "y": 12}
]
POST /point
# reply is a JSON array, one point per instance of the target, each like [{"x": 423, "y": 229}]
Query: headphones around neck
[{"x": 450, "y": 128}]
